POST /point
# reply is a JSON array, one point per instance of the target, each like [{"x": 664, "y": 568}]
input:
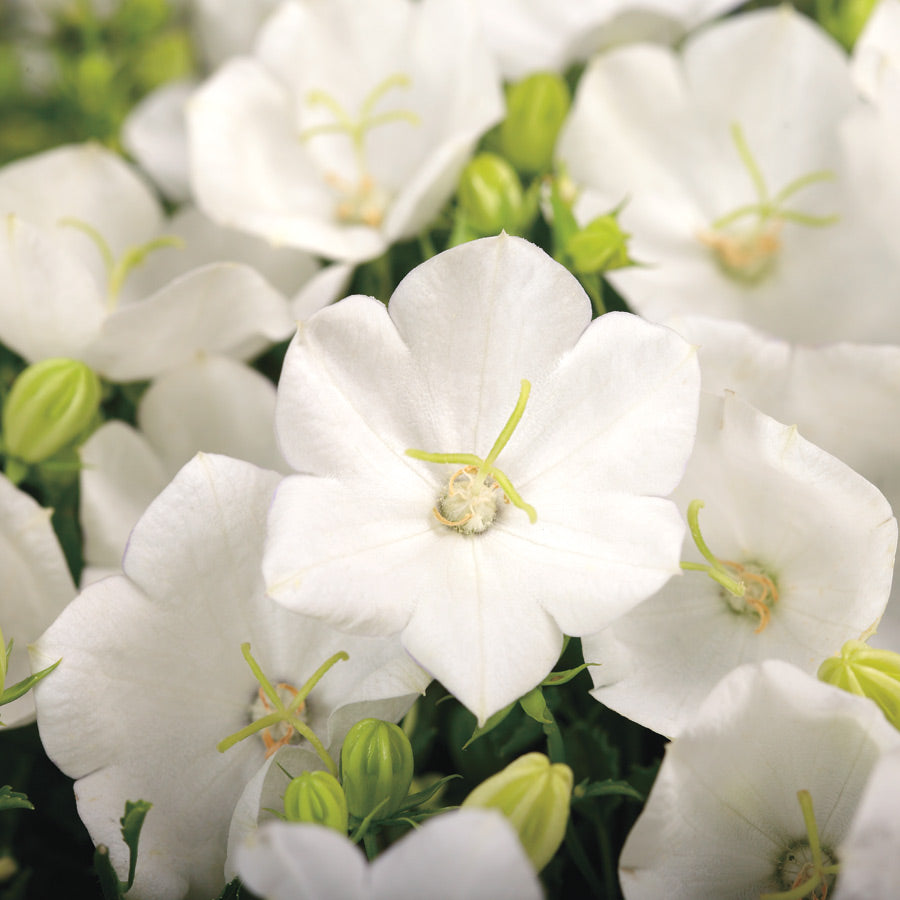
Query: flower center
[
  {"x": 468, "y": 503},
  {"x": 745, "y": 242},
  {"x": 361, "y": 200},
  {"x": 805, "y": 870},
  {"x": 747, "y": 587},
  {"x": 278, "y": 713},
  {"x": 282, "y": 732},
  {"x": 119, "y": 269}
]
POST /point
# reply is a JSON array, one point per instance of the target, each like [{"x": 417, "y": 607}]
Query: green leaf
[
  {"x": 234, "y": 890},
  {"x": 10, "y": 799},
  {"x": 25, "y": 685},
  {"x": 110, "y": 886},
  {"x": 535, "y": 706},
  {"x": 608, "y": 788},
  {"x": 492, "y": 722},
  {"x": 132, "y": 823}
]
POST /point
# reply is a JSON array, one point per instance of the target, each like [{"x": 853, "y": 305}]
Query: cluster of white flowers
[{"x": 450, "y": 482}]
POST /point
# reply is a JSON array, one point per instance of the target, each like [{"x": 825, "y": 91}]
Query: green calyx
[
  {"x": 286, "y": 715},
  {"x": 469, "y": 502},
  {"x": 867, "y": 672}
]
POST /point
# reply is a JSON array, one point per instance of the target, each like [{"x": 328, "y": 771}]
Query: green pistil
[
  {"x": 716, "y": 568},
  {"x": 768, "y": 208},
  {"x": 823, "y": 873},
  {"x": 486, "y": 467},
  {"x": 357, "y": 128},
  {"x": 118, "y": 270},
  {"x": 288, "y": 714}
]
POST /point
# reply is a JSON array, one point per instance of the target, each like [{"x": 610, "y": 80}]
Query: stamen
[
  {"x": 816, "y": 876},
  {"x": 748, "y": 253},
  {"x": 287, "y": 716},
  {"x": 756, "y": 590},
  {"x": 118, "y": 270},
  {"x": 474, "y": 498}
]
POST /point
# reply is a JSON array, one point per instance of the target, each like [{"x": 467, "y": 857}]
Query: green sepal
[
  {"x": 563, "y": 226},
  {"x": 535, "y": 705},
  {"x": 491, "y": 723},
  {"x": 364, "y": 825},
  {"x": 10, "y": 799},
  {"x": 110, "y": 886},
  {"x": 132, "y": 823},
  {"x": 420, "y": 797},
  {"x": 555, "y": 679},
  {"x": 25, "y": 685},
  {"x": 608, "y": 788}
]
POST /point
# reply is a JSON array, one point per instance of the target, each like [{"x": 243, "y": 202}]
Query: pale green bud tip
[
  {"x": 863, "y": 670},
  {"x": 599, "y": 247},
  {"x": 50, "y": 406},
  {"x": 376, "y": 768},
  {"x": 534, "y": 795},
  {"x": 490, "y": 195},
  {"x": 317, "y": 798},
  {"x": 536, "y": 109}
]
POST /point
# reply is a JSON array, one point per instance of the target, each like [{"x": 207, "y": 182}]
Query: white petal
[
  {"x": 120, "y": 475},
  {"x": 214, "y": 405},
  {"x": 220, "y": 308},
  {"x": 466, "y": 854}
]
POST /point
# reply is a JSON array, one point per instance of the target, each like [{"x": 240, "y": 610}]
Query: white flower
[
  {"x": 379, "y": 540},
  {"x": 876, "y": 54},
  {"x": 538, "y": 35},
  {"x": 728, "y": 159},
  {"x": 843, "y": 397},
  {"x": 811, "y": 542},
  {"x": 288, "y": 145},
  {"x": 153, "y": 679},
  {"x": 723, "y": 818},
  {"x": 870, "y": 865},
  {"x": 36, "y": 586},
  {"x": 215, "y": 405},
  {"x": 462, "y": 855},
  {"x": 78, "y": 223}
]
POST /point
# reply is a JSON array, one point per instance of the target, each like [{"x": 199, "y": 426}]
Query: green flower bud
[
  {"x": 536, "y": 108},
  {"x": 376, "y": 765},
  {"x": 863, "y": 670},
  {"x": 490, "y": 195},
  {"x": 50, "y": 406},
  {"x": 316, "y": 797},
  {"x": 845, "y": 19},
  {"x": 534, "y": 795},
  {"x": 598, "y": 247}
]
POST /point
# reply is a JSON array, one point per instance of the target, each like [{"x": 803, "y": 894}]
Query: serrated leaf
[
  {"x": 10, "y": 799},
  {"x": 492, "y": 722},
  {"x": 608, "y": 788},
  {"x": 535, "y": 705},
  {"x": 132, "y": 823}
]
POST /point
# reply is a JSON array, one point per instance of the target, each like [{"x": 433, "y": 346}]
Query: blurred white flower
[{"x": 348, "y": 128}]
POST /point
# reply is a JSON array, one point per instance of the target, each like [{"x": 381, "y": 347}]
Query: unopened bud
[
  {"x": 863, "y": 670},
  {"x": 50, "y": 406},
  {"x": 318, "y": 798},
  {"x": 534, "y": 795},
  {"x": 536, "y": 108},
  {"x": 598, "y": 247},
  {"x": 490, "y": 195},
  {"x": 376, "y": 768}
]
